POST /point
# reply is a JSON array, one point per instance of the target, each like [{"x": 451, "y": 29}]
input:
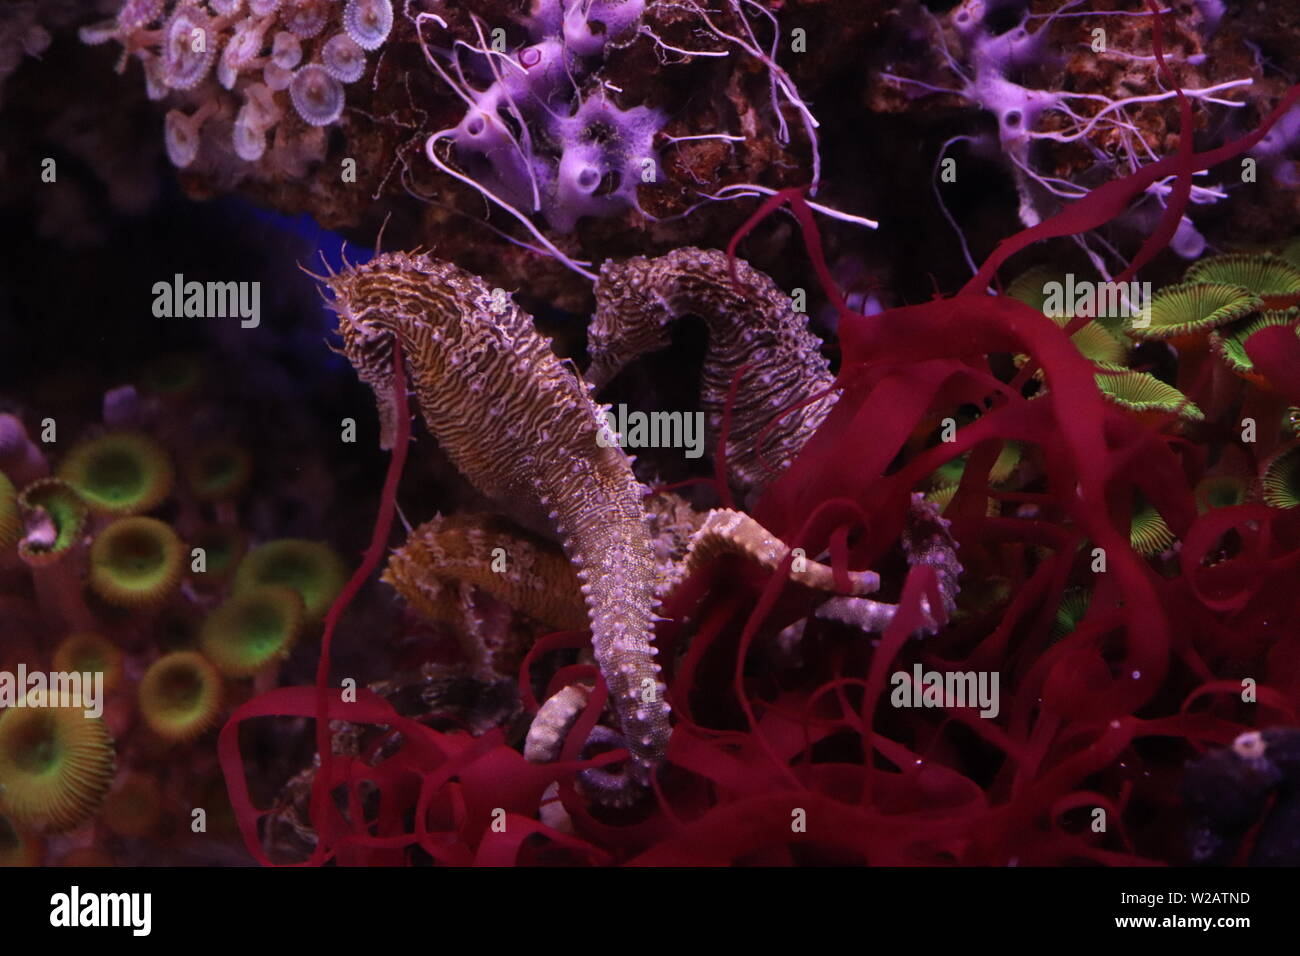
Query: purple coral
[
  {"x": 613, "y": 17},
  {"x": 20, "y": 458},
  {"x": 276, "y": 77},
  {"x": 181, "y": 137},
  {"x": 259, "y": 48},
  {"x": 343, "y": 59},
  {"x": 261, "y": 104},
  {"x": 248, "y": 136},
  {"x": 536, "y": 139},
  {"x": 1274, "y": 150},
  {"x": 368, "y": 22},
  {"x": 22, "y": 34},
  {"x": 139, "y": 13},
  {"x": 306, "y": 18},
  {"x": 242, "y": 51},
  {"x": 188, "y": 50},
  {"x": 607, "y": 152},
  {"x": 985, "y": 64},
  {"x": 286, "y": 51},
  {"x": 316, "y": 95}
]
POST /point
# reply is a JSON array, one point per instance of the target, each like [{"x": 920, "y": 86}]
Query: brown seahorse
[
  {"x": 497, "y": 585},
  {"x": 448, "y": 563},
  {"x": 639, "y": 298},
  {"x": 521, "y": 428}
]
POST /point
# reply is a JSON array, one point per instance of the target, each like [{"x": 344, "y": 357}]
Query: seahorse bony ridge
[{"x": 520, "y": 427}]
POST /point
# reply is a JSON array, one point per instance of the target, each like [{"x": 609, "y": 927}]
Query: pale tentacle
[
  {"x": 926, "y": 540},
  {"x": 733, "y": 532},
  {"x": 555, "y": 718}
]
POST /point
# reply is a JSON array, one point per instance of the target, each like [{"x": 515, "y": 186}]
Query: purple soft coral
[
  {"x": 992, "y": 67},
  {"x": 537, "y": 139},
  {"x": 605, "y": 154}
]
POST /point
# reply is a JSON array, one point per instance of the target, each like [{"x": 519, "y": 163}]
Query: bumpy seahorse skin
[
  {"x": 521, "y": 428},
  {"x": 490, "y": 553},
  {"x": 637, "y": 301},
  {"x": 447, "y": 566},
  {"x": 733, "y": 532}
]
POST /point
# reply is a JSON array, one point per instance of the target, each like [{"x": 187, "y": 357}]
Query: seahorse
[
  {"x": 465, "y": 569},
  {"x": 523, "y": 429},
  {"x": 752, "y": 322}
]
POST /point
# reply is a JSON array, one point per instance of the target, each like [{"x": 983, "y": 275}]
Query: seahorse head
[{"x": 371, "y": 308}]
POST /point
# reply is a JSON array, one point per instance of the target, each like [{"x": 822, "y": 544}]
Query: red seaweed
[{"x": 782, "y": 765}]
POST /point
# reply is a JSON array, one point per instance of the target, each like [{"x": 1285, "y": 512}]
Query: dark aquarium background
[{"x": 841, "y": 432}]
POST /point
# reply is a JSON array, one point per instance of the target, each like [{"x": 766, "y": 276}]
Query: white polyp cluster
[
  {"x": 305, "y": 18},
  {"x": 248, "y": 137},
  {"x": 259, "y": 113},
  {"x": 343, "y": 59},
  {"x": 181, "y": 138},
  {"x": 368, "y": 22},
  {"x": 241, "y": 51},
  {"x": 317, "y": 96},
  {"x": 286, "y": 51},
  {"x": 184, "y": 67},
  {"x": 139, "y": 13},
  {"x": 276, "y": 77},
  {"x": 303, "y": 48}
]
